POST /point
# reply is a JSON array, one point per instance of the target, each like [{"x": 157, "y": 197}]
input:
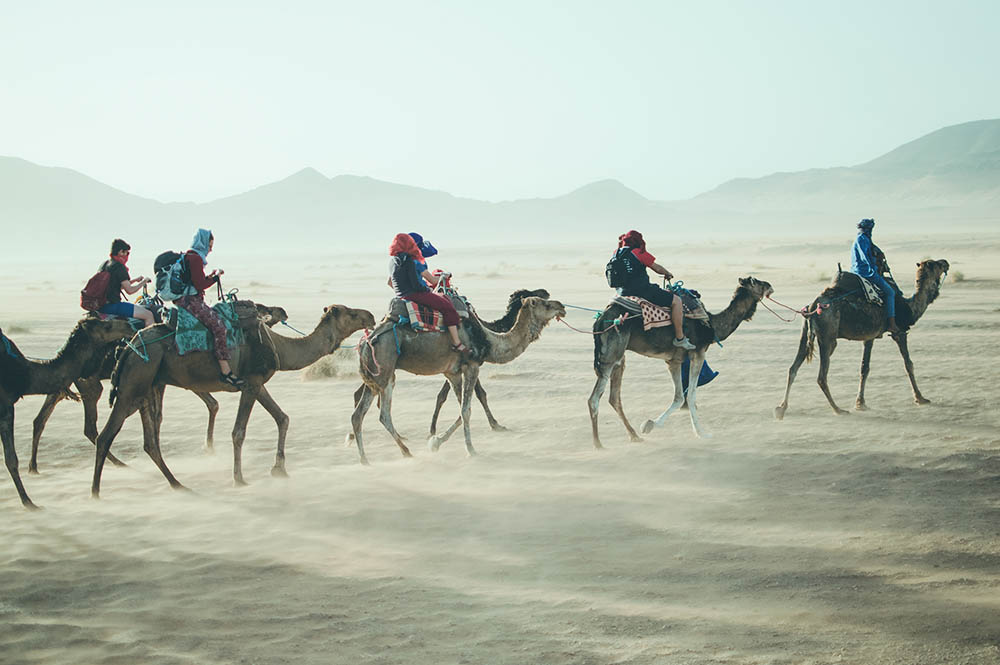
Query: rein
[{"x": 614, "y": 324}]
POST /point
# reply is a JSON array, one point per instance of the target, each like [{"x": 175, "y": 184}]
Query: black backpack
[
  {"x": 618, "y": 271},
  {"x": 172, "y": 275}
]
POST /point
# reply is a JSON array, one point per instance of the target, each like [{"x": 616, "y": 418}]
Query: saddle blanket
[
  {"x": 849, "y": 281},
  {"x": 654, "y": 316},
  {"x": 423, "y": 318},
  {"x": 871, "y": 291},
  {"x": 191, "y": 335}
]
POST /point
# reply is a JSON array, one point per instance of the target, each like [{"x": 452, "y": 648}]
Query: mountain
[
  {"x": 955, "y": 168},
  {"x": 951, "y": 175}
]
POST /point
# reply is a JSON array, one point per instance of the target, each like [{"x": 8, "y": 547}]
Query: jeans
[{"x": 888, "y": 293}]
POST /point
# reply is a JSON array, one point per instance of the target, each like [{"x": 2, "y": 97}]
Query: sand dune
[{"x": 868, "y": 538}]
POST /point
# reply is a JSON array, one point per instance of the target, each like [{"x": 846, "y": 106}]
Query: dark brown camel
[
  {"x": 430, "y": 353},
  {"x": 138, "y": 384},
  {"x": 20, "y": 376},
  {"x": 611, "y": 342},
  {"x": 89, "y": 389},
  {"x": 851, "y": 316}
]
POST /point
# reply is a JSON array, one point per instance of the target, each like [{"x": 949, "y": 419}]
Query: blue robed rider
[{"x": 864, "y": 262}]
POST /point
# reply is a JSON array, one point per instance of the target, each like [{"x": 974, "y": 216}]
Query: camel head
[
  {"x": 930, "y": 275},
  {"x": 99, "y": 331},
  {"x": 271, "y": 315},
  {"x": 347, "y": 320},
  {"x": 521, "y": 294},
  {"x": 758, "y": 288},
  {"x": 540, "y": 311}
]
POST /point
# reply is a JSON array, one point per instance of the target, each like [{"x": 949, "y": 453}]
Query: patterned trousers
[{"x": 199, "y": 310}]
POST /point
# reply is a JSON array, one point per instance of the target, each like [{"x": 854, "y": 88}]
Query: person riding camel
[
  {"x": 410, "y": 283},
  {"x": 196, "y": 258},
  {"x": 120, "y": 281},
  {"x": 632, "y": 250},
  {"x": 865, "y": 262}
]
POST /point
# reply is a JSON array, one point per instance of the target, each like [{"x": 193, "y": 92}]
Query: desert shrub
[{"x": 957, "y": 276}]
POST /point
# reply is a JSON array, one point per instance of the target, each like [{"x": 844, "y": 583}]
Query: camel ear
[
  {"x": 326, "y": 309},
  {"x": 743, "y": 281},
  {"x": 918, "y": 264}
]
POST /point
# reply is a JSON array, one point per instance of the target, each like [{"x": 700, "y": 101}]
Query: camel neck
[
  {"x": 49, "y": 376},
  {"x": 926, "y": 292},
  {"x": 505, "y": 347},
  {"x": 298, "y": 352},
  {"x": 740, "y": 308}
]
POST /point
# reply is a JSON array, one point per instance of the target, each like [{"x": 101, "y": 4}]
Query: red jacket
[{"x": 197, "y": 268}]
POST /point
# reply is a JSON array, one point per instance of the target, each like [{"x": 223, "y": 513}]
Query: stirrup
[{"x": 231, "y": 379}]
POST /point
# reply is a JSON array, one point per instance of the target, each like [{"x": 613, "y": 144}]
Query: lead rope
[
  {"x": 614, "y": 324},
  {"x": 367, "y": 338}
]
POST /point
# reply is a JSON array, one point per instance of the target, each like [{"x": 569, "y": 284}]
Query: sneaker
[{"x": 684, "y": 343}]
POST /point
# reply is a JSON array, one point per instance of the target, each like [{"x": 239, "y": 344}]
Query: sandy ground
[{"x": 868, "y": 538}]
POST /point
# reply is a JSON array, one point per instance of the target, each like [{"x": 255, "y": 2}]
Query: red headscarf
[
  {"x": 632, "y": 239},
  {"x": 404, "y": 244}
]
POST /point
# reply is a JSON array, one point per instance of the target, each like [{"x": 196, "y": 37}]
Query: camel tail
[{"x": 808, "y": 338}]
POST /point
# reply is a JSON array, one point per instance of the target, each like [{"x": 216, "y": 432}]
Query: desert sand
[{"x": 868, "y": 538}]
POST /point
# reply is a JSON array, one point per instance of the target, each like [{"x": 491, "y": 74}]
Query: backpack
[
  {"x": 95, "y": 294},
  {"x": 618, "y": 271},
  {"x": 173, "y": 277}
]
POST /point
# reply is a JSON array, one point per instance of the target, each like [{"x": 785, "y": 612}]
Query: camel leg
[
  {"x": 247, "y": 399},
  {"x": 594, "y": 402},
  {"x": 826, "y": 349},
  {"x": 385, "y": 417},
  {"x": 696, "y": 364},
  {"x": 349, "y": 439},
  {"x": 469, "y": 388},
  {"x": 90, "y": 390},
  {"x": 281, "y": 420},
  {"x": 38, "y": 426},
  {"x": 456, "y": 387},
  {"x": 675, "y": 376},
  {"x": 904, "y": 351},
  {"x": 151, "y": 413},
  {"x": 615, "y": 399},
  {"x": 9, "y": 454},
  {"x": 481, "y": 396},
  {"x": 122, "y": 410},
  {"x": 800, "y": 356},
  {"x": 866, "y": 359},
  {"x": 212, "y": 405},
  {"x": 442, "y": 396},
  {"x": 364, "y": 401}
]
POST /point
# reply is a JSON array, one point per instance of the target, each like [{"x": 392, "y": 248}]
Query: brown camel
[
  {"x": 430, "y": 353},
  {"x": 611, "y": 342},
  {"x": 138, "y": 384},
  {"x": 851, "y": 316},
  {"x": 89, "y": 391},
  {"x": 20, "y": 376}
]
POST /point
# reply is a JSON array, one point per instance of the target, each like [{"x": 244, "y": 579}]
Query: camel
[
  {"x": 430, "y": 353},
  {"x": 89, "y": 391},
  {"x": 611, "y": 341},
  {"x": 138, "y": 384},
  {"x": 19, "y": 376},
  {"x": 852, "y": 317}
]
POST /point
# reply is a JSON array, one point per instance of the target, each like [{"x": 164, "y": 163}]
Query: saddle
[
  {"x": 425, "y": 319},
  {"x": 655, "y": 316},
  {"x": 848, "y": 282}
]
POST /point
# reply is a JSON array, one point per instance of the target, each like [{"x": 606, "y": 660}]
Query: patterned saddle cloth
[
  {"x": 191, "y": 335},
  {"x": 425, "y": 319},
  {"x": 654, "y": 316},
  {"x": 849, "y": 281}
]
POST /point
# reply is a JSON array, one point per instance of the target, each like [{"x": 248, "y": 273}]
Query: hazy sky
[{"x": 494, "y": 100}]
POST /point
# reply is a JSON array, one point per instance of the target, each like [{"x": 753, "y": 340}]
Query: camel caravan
[{"x": 173, "y": 338}]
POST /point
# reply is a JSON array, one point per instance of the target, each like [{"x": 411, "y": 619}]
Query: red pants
[
  {"x": 435, "y": 301},
  {"x": 199, "y": 310}
]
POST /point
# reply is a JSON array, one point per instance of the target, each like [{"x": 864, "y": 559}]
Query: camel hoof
[
  {"x": 349, "y": 439},
  {"x": 842, "y": 412},
  {"x": 648, "y": 426},
  {"x": 182, "y": 488},
  {"x": 471, "y": 452},
  {"x": 364, "y": 461},
  {"x": 434, "y": 443},
  {"x": 279, "y": 472},
  {"x": 860, "y": 406},
  {"x": 703, "y": 435},
  {"x": 33, "y": 470},
  {"x": 636, "y": 439},
  {"x": 29, "y": 505},
  {"x": 237, "y": 482},
  {"x": 921, "y": 400},
  {"x": 117, "y": 462},
  {"x": 406, "y": 452},
  {"x": 499, "y": 428},
  {"x": 208, "y": 448},
  {"x": 779, "y": 412},
  {"x": 598, "y": 446}
]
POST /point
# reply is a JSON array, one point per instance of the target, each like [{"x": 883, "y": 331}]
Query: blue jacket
[{"x": 863, "y": 256}]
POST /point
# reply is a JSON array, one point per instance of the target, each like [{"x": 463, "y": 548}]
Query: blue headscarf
[
  {"x": 866, "y": 225},
  {"x": 200, "y": 243},
  {"x": 425, "y": 247}
]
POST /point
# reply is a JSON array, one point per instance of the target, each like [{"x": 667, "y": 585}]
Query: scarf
[
  {"x": 120, "y": 260},
  {"x": 200, "y": 244},
  {"x": 632, "y": 239},
  {"x": 404, "y": 244}
]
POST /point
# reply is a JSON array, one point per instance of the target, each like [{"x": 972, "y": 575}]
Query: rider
[
  {"x": 864, "y": 262},
  {"x": 411, "y": 284},
  {"x": 120, "y": 281},
  {"x": 632, "y": 249},
  {"x": 196, "y": 257}
]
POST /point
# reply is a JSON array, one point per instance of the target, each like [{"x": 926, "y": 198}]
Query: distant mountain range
[{"x": 949, "y": 176}]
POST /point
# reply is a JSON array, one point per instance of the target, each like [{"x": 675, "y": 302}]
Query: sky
[{"x": 500, "y": 100}]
